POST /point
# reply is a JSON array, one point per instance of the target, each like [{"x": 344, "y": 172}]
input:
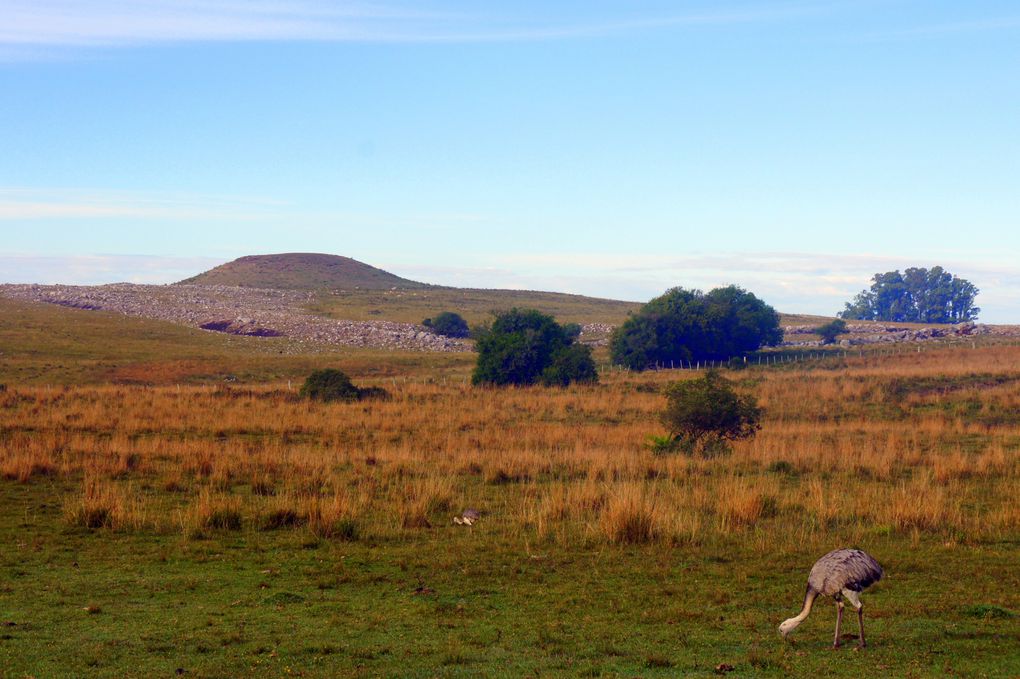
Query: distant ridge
[{"x": 301, "y": 271}]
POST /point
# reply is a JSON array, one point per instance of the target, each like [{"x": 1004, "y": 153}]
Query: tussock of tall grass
[
  {"x": 212, "y": 511},
  {"x": 424, "y": 498},
  {"x": 333, "y": 518},
  {"x": 835, "y": 457},
  {"x": 105, "y": 504},
  {"x": 631, "y": 516},
  {"x": 23, "y": 467}
]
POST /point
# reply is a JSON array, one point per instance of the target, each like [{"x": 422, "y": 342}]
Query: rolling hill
[
  {"x": 348, "y": 289},
  {"x": 352, "y": 290},
  {"x": 302, "y": 271}
]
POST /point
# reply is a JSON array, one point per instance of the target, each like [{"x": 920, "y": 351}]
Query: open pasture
[{"x": 235, "y": 529}]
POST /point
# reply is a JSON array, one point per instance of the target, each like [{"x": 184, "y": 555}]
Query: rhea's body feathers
[{"x": 844, "y": 569}]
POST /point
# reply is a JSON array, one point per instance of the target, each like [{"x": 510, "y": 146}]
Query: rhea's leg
[
  {"x": 855, "y": 599},
  {"x": 839, "y": 619}
]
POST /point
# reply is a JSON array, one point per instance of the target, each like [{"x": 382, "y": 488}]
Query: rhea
[{"x": 841, "y": 574}]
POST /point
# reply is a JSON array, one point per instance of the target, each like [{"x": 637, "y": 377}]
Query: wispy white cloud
[
  {"x": 22, "y": 204},
  {"x": 101, "y": 269},
  {"x": 109, "y": 23}
]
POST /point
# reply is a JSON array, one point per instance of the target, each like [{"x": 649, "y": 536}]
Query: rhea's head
[{"x": 788, "y": 626}]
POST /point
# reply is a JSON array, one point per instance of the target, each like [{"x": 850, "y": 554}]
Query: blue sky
[{"x": 605, "y": 148}]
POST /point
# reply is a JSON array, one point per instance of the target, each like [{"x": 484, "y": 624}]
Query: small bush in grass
[
  {"x": 448, "y": 324},
  {"x": 330, "y": 384},
  {"x": 373, "y": 392},
  {"x": 831, "y": 330},
  {"x": 782, "y": 467},
  {"x": 662, "y": 445},
  {"x": 705, "y": 414},
  {"x": 989, "y": 611},
  {"x": 737, "y": 363}
]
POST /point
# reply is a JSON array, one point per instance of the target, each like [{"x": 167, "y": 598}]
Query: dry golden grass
[{"x": 911, "y": 443}]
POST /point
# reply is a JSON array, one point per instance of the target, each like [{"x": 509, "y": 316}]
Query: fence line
[{"x": 768, "y": 358}]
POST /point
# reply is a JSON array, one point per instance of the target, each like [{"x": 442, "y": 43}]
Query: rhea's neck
[{"x": 809, "y": 600}]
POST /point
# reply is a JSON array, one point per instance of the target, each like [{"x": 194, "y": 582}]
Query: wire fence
[{"x": 780, "y": 357}]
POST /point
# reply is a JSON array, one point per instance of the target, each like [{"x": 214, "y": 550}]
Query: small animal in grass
[
  {"x": 467, "y": 517},
  {"x": 842, "y": 574}
]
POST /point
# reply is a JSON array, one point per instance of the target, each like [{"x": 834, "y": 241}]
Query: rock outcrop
[{"x": 877, "y": 333}]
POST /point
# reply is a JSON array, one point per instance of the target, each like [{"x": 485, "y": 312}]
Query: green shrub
[
  {"x": 448, "y": 324},
  {"x": 704, "y": 414},
  {"x": 330, "y": 384},
  {"x": 782, "y": 467},
  {"x": 572, "y": 331},
  {"x": 737, "y": 363},
  {"x": 989, "y": 611},
  {"x": 831, "y": 330},
  {"x": 571, "y": 364},
  {"x": 662, "y": 445}
]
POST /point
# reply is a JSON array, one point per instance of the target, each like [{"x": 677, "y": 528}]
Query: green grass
[{"x": 464, "y": 602}]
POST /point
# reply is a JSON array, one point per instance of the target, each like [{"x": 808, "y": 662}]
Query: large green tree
[
  {"x": 688, "y": 325},
  {"x": 917, "y": 295},
  {"x": 524, "y": 346}
]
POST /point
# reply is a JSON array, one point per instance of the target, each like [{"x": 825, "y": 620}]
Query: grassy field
[{"x": 234, "y": 529}]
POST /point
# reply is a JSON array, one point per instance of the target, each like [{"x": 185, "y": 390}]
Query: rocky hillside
[
  {"x": 238, "y": 311},
  {"x": 301, "y": 271}
]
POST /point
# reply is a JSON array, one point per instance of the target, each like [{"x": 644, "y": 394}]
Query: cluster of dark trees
[
  {"x": 917, "y": 295},
  {"x": 688, "y": 325},
  {"x": 525, "y": 346}
]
